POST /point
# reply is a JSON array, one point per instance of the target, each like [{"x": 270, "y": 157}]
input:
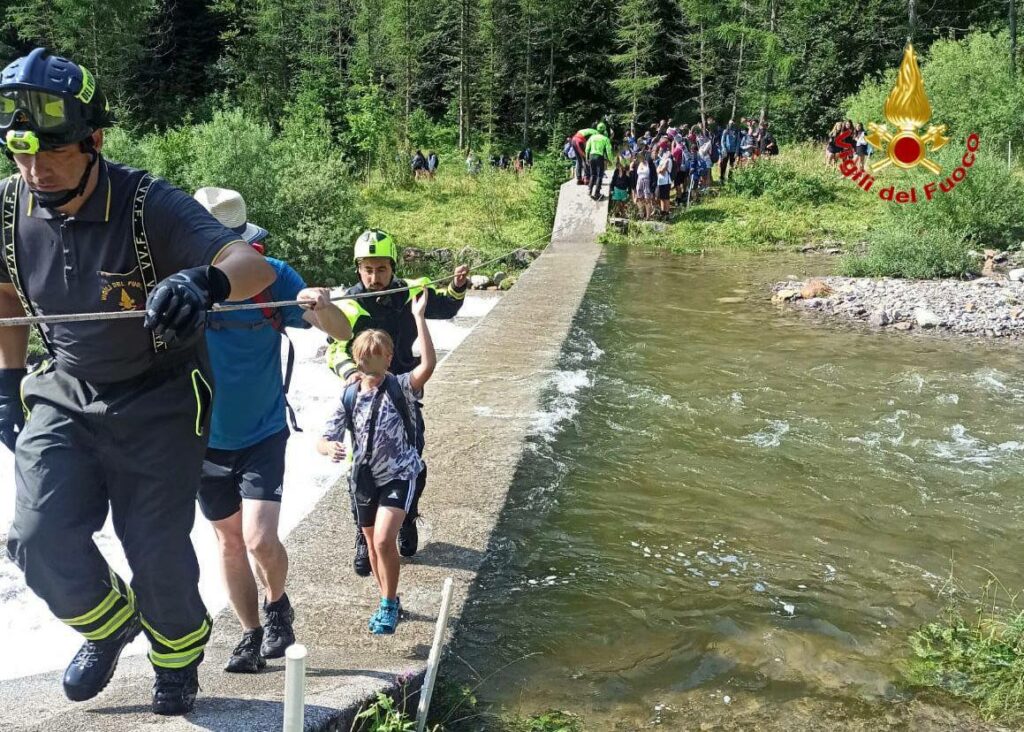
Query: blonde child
[{"x": 385, "y": 467}]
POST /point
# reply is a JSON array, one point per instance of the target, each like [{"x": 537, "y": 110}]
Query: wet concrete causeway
[{"x": 480, "y": 405}]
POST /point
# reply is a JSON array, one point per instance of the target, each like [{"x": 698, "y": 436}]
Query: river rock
[
  {"x": 785, "y": 295},
  {"x": 905, "y": 325},
  {"x": 498, "y": 277},
  {"x": 442, "y": 255},
  {"x": 879, "y": 318},
  {"x": 815, "y": 288},
  {"x": 412, "y": 254},
  {"x": 925, "y": 318},
  {"x": 1016, "y": 275},
  {"x": 479, "y": 282}
]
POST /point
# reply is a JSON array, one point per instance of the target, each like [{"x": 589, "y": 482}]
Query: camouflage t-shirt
[{"x": 394, "y": 457}]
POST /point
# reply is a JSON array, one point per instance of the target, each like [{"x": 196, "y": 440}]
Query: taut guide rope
[{"x": 79, "y": 317}]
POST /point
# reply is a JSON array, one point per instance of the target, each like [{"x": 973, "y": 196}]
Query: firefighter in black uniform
[
  {"x": 376, "y": 257},
  {"x": 117, "y": 417}
]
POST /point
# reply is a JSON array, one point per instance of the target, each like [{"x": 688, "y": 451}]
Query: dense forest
[{"x": 473, "y": 72}]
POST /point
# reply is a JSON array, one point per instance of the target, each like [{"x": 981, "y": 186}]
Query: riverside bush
[
  {"x": 978, "y": 660},
  {"x": 295, "y": 184},
  {"x": 968, "y": 84},
  {"x": 787, "y": 181},
  {"x": 934, "y": 238}
]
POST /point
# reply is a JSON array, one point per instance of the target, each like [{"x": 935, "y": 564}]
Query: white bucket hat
[{"x": 228, "y": 207}]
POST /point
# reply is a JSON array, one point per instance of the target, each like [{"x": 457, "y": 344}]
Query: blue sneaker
[{"x": 387, "y": 617}]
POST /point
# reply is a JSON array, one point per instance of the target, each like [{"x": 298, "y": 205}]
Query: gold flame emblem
[{"x": 908, "y": 110}]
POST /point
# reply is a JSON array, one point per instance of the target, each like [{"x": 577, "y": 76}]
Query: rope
[{"x": 121, "y": 315}]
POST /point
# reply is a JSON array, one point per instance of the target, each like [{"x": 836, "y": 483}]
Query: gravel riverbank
[{"x": 987, "y": 306}]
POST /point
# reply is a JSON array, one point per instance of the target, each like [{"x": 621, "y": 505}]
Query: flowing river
[{"x": 735, "y": 517}]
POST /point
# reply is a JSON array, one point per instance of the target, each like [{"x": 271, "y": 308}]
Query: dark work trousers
[
  {"x": 421, "y": 480},
  {"x": 135, "y": 447},
  {"x": 581, "y": 162},
  {"x": 596, "y": 175}
]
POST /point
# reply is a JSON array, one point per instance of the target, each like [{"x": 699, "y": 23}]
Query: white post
[
  {"x": 294, "y": 688},
  {"x": 435, "y": 652}
]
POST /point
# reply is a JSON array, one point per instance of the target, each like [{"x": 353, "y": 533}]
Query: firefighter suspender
[
  {"x": 8, "y": 222},
  {"x": 9, "y": 216},
  {"x": 142, "y": 253}
]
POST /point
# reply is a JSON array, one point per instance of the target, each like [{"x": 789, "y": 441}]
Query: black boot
[
  {"x": 277, "y": 630},
  {"x": 175, "y": 689},
  {"x": 408, "y": 537},
  {"x": 246, "y": 658},
  {"x": 93, "y": 666},
  {"x": 361, "y": 561}
]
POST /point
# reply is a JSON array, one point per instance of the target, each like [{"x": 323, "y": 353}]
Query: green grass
[
  {"x": 975, "y": 656},
  {"x": 490, "y": 213}
]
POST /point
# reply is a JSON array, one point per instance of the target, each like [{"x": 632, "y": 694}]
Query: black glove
[
  {"x": 176, "y": 308},
  {"x": 12, "y": 414}
]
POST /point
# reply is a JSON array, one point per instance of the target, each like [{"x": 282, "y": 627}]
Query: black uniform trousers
[{"x": 137, "y": 447}]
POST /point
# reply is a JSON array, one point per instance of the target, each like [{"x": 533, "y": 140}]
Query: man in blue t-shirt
[{"x": 243, "y": 473}]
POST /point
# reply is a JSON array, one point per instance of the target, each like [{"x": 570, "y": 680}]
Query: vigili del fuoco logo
[{"x": 908, "y": 110}]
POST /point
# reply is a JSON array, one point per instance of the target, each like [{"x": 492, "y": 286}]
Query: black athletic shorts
[
  {"x": 663, "y": 191},
  {"x": 396, "y": 494},
  {"x": 255, "y": 472}
]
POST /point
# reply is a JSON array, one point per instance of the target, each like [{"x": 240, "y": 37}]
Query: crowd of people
[
  {"x": 141, "y": 420},
  {"x": 650, "y": 166},
  {"x": 501, "y": 161},
  {"x": 848, "y": 137}
]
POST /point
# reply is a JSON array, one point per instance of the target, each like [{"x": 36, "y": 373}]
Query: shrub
[
  {"x": 295, "y": 184},
  {"x": 969, "y": 86},
  {"x": 933, "y": 238},
  {"x": 785, "y": 182},
  {"x": 979, "y": 660},
  {"x": 896, "y": 251}
]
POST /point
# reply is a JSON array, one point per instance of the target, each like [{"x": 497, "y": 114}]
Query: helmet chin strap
[{"x": 56, "y": 199}]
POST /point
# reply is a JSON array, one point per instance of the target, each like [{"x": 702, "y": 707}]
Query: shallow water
[{"x": 734, "y": 516}]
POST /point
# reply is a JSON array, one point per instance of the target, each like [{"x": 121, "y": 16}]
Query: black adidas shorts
[
  {"x": 255, "y": 472},
  {"x": 399, "y": 494}
]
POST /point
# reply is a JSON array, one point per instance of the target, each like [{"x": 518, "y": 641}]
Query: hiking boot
[
  {"x": 175, "y": 689},
  {"x": 361, "y": 561},
  {"x": 387, "y": 617},
  {"x": 277, "y": 630},
  {"x": 93, "y": 666},
  {"x": 376, "y": 617},
  {"x": 408, "y": 537},
  {"x": 246, "y": 658}
]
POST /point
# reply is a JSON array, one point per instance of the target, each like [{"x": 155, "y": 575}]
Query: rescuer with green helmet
[
  {"x": 116, "y": 420},
  {"x": 376, "y": 258},
  {"x": 599, "y": 150}
]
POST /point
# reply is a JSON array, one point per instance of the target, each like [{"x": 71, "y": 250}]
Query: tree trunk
[
  {"x": 526, "y": 78},
  {"x": 702, "y": 97},
  {"x": 770, "y": 82},
  {"x": 1013, "y": 38},
  {"x": 911, "y": 20},
  {"x": 739, "y": 67},
  {"x": 462, "y": 75}
]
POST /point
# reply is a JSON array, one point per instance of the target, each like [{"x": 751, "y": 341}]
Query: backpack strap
[
  {"x": 8, "y": 227},
  {"x": 142, "y": 253},
  {"x": 397, "y": 397}
]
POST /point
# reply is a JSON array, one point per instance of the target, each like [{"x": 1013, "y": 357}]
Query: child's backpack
[{"x": 397, "y": 397}]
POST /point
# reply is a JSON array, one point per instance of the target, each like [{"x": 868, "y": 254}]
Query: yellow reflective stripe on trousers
[
  {"x": 96, "y": 613},
  {"x": 112, "y": 625},
  {"x": 200, "y": 412},
  {"x": 184, "y": 642},
  {"x": 174, "y": 660}
]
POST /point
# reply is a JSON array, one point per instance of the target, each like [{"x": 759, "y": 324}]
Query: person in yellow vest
[{"x": 376, "y": 257}]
